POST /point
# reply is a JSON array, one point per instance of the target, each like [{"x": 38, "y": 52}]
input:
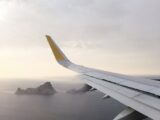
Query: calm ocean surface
[{"x": 61, "y": 106}]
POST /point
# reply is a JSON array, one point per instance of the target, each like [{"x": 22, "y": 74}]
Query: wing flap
[{"x": 127, "y": 97}]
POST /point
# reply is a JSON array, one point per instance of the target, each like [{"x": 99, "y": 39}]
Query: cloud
[
  {"x": 27, "y": 20},
  {"x": 119, "y": 32},
  {"x": 109, "y": 24}
]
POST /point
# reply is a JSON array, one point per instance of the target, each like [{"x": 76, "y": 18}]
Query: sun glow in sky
[{"x": 112, "y": 35}]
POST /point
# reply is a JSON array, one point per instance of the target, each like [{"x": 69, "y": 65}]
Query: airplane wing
[{"x": 141, "y": 95}]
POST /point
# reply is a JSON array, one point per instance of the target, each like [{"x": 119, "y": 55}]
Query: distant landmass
[
  {"x": 44, "y": 89},
  {"x": 84, "y": 89}
]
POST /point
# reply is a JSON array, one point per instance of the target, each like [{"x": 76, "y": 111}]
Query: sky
[{"x": 113, "y": 35}]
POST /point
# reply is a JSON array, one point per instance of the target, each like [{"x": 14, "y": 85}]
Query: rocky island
[
  {"x": 44, "y": 89},
  {"x": 83, "y": 89}
]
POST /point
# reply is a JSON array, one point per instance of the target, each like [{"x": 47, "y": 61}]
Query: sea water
[{"x": 60, "y": 106}]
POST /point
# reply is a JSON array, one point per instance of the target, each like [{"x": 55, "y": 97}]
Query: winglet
[{"x": 56, "y": 51}]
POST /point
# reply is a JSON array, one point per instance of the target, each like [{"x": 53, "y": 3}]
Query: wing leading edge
[{"x": 139, "y": 94}]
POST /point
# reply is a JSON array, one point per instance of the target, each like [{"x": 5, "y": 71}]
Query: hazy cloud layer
[
  {"x": 112, "y": 24},
  {"x": 121, "y": 33}
]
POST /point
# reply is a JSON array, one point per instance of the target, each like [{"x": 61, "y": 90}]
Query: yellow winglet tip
[
  {"x": 56, "y": 51},
  {"x": 47, "y": 36}
]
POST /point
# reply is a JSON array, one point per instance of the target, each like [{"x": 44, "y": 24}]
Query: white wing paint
[{"x": 139, "y": 94}]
